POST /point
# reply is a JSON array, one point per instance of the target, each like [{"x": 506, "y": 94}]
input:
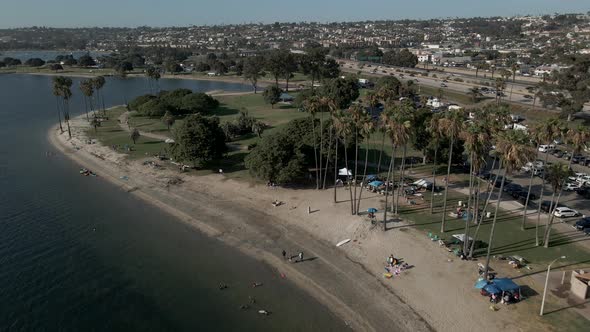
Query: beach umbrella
[
  {"x": 169, "y": 141},
  {"x": 481, "y": 284},
  {"x": 371, "y": 210}
]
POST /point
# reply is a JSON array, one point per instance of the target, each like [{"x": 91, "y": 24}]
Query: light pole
[{"x": 547, "y": 282}]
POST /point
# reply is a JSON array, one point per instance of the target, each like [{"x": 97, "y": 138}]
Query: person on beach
[
  {"x": 300, "y": 256},
  {"x": 284, "y": 254}
]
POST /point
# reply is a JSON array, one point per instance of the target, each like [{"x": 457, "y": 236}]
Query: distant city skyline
[{"x": 133, "y": 13}]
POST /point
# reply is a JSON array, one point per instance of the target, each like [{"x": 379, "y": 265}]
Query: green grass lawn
[{"x": 110, "y": 133}]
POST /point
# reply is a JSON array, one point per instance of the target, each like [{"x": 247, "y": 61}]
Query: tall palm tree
[
  {"x": 339, "y": 127},
  {"x": 435, "y": 133},
  {"x": 515, "y": 151},
  {"x": 357, "y": 112},
  {"x": 87, "y": 92},
  {"x": 449, "y": 127},
  {"x": 57, "y": 93},
  {"x": 62, "y": 87},
  {"x": 367, "y": 126},
  {"x": 98, "y": 83},
  {"x": 577, "y": 137},
  {"x": 312, "y": 106},
  {"x": 500, "y": 86},
  {"x": 403, "y": 124},
  {"x": 535, "y": 137},
  {"x": 548, "y": 130},
  {"x": 389, "y": 125},
  {"x": 514, "y": 68}
]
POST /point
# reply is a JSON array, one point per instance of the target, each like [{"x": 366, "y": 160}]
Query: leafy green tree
[
  {"x": 403, "y": 58},
  {"x": 34, "y": 62},
  {"x": 271, "y": 94},
  {"x": 168, "y": 119},
  {"x": 198, "y": 102},
  {"x": 274, "y": 64},
  {"x": 198, "y": 139},
  {"x": 98, "y": 83},
  {"x": 135, "y": 135},
  {"x": 276, "y": 158},
  {"x": 253, "y": 70},
  {"x": 86, "y": 61},
  {"x": 342, "y": 91},
  {"x": 123, "y": 67}
]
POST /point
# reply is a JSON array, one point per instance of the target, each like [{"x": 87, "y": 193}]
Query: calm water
[{"x": 78, "y": 254}]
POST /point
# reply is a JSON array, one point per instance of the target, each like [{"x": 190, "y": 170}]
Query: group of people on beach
[
  {"x": 395, "y": 266},
  {"x": 298, "y": 257}
]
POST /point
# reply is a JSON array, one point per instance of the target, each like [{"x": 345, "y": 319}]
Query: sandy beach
[{"x": 436, "y": 293}]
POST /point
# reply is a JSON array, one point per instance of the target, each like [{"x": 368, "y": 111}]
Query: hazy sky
[{"x": 131, "y": 13}]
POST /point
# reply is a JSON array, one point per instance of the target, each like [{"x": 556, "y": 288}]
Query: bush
[
  {"x": 177, "y": 102},
  {"x": 138, "y": 101}
]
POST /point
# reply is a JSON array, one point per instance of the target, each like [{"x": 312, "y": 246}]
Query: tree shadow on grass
[
  {"x": 223, "y": 110},
  {"x": 152, "y": 142}
]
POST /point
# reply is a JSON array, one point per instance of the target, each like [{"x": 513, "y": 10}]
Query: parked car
[
  {"x": 577, "y": 158},
  {"x": 582, "y": 223},
  {"x": 512, "y": 187},
  {"x": 442, "y": 85},
  {"x": 587, "y": 231},
  {"x": 522, "y": 200},
  {"x": 558, "y": 153},
  {"x": 528, "y": 97},
  {"x": 524, "y": 193},
  {"x": 546, "y": 204},
  {"x": 565, "y": 212},
  {"x": 572, "y": 186},
  {"x": 577, "y": 176},
  {"x": 546, "y": 148}
]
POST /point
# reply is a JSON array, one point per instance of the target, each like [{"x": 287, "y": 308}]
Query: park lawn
[
  {"x": 67, "y": 70},
  {"x": 508, "y": 238},
  {"x": 110, "y": 133}
]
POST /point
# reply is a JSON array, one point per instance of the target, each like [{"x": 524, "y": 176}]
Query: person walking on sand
[
  {"x": 284, "y": 254},
  {"x": 300, "y": 257}
]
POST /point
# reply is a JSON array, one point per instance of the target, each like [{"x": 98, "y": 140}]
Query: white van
[{"x": 546, "y": 148}]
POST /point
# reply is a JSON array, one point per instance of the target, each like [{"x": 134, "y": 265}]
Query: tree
[
  {"x": 57, "y": 93},
  {"x": 274, "y": 64},
  {"x": 435, "y": 132},
  {"x": 289, "y": 66},
  {"x": 403, "y": 58},
  {"x": 153, "y": 74},
  {"x": 34, "y": 62},
  {"x": 86, "y": 61},
  {"x": 168, "y": 119},
  {"x": 54, "y": 66},
  {"x": 253, "y": 70},
  {"x": 271, "y": 95},
  {"x": 514, "y": 68},
  {"x": 11, "y": 62},
  {"x": 61, "y": 86},
  {"x": 342, "y": 91},
  {"x": 198, "y": 139},
  {"x": 135, "y": 135},
  {"x": 123, "y": 67},
  {"x": 98, "y": 83},
  {"x": 515, "y": 151},
  {"x": 388, "y": 88},
  {"x": 95, "y": 123},
  {"x": 87, "y": 91},
  {"x": 450, "y": 127},
  {"x": 578, "y": 138},
  {"x": 197, "y": 102}
]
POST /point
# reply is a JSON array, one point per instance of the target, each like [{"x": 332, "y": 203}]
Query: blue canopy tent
[
  {"x": 492, "y": 289},
  {"x": 371, "y": 210},
  {"x": 481, "y": 284},
  {"x": 506, "y": 284},
  {"x": 371, "y": 177},
  {"x": 375, "y": 183}
]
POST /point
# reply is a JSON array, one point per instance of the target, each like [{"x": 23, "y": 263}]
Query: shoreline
[
  {"x": 253, "y": 240},
  {"x": 436, "y": 293}
]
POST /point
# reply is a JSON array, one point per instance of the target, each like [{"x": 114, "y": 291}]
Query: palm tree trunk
[
  {"x": 321, "y": 145},
  {"x": 328, "y": 158},
  {"x": 487, "y": 266},
  {"x": 541, "y": 201},
  {"x": 391, "y": 165},
  {"x": 433, "y": 181},
  {"x": 466, "y": 234},
  {"x": 552, "y": 217},
  {"x": 380, "y": 154},
  {"x": 485, "y": 207},
  {"x": 356, "y": 159},
  {"x": 442, "y": 226},
  {"x": 401, "y": 180},
  {"x": 59, "y": 114},
  {"x": 347, "y": 176},
  {"x": 358, "y": 204},
  {"x": 528, "y": 195},
  {"x": 335, "y": 167},
  {"x": 67, "y": 116},
  {"x": 86, "y": 108},
  {"x": 315, "y": 154}
]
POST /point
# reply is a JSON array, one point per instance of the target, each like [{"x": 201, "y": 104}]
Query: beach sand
[{"x": 435, "y": 294}]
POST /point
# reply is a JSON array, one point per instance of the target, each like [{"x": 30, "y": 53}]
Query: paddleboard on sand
[{"x": 342, "y": 242}]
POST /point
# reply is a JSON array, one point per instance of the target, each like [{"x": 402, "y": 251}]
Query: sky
[{"x": 132, "y": 13}]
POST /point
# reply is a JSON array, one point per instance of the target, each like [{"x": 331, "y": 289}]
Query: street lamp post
[{"x": 546, "y": 283}]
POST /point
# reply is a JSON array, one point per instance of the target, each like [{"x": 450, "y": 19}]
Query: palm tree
[
  {"x": 475, "y": 94},
  {"x": 477, "y": 144},
  {"x": 87, "y": 92},
  {"x": 548, "y": 130},
  {"x": 449, "y": 126},
  {"x": 515, "y": 151},
  {"x": 578, "y": 138},
  {"x": 435, "y": 132},
  {"x": 57, "y": 93},
  {"x": 169, "y": 120},
  {"x": 367, "y": 126},
  {"x": 500, "y": 86},
  {"x": 98, "y": 83},
  {"x": 403, "y": 124},
  {"x": 152, "y": 73},
  {"x": 535, "y": 137},
  {"x": 515, "y": 67},
  {"x": 95, "y": 123},
  {"x": 135, "y": 135},
  {"x": 389, "y": 125},
  {"x": 357, "y": 112},
  {"x": 61, "y": 88},
  {"x": 312, "y": 106}
]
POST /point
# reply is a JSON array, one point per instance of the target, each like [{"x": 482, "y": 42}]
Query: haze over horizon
[{"x": 133, "y": 13}]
